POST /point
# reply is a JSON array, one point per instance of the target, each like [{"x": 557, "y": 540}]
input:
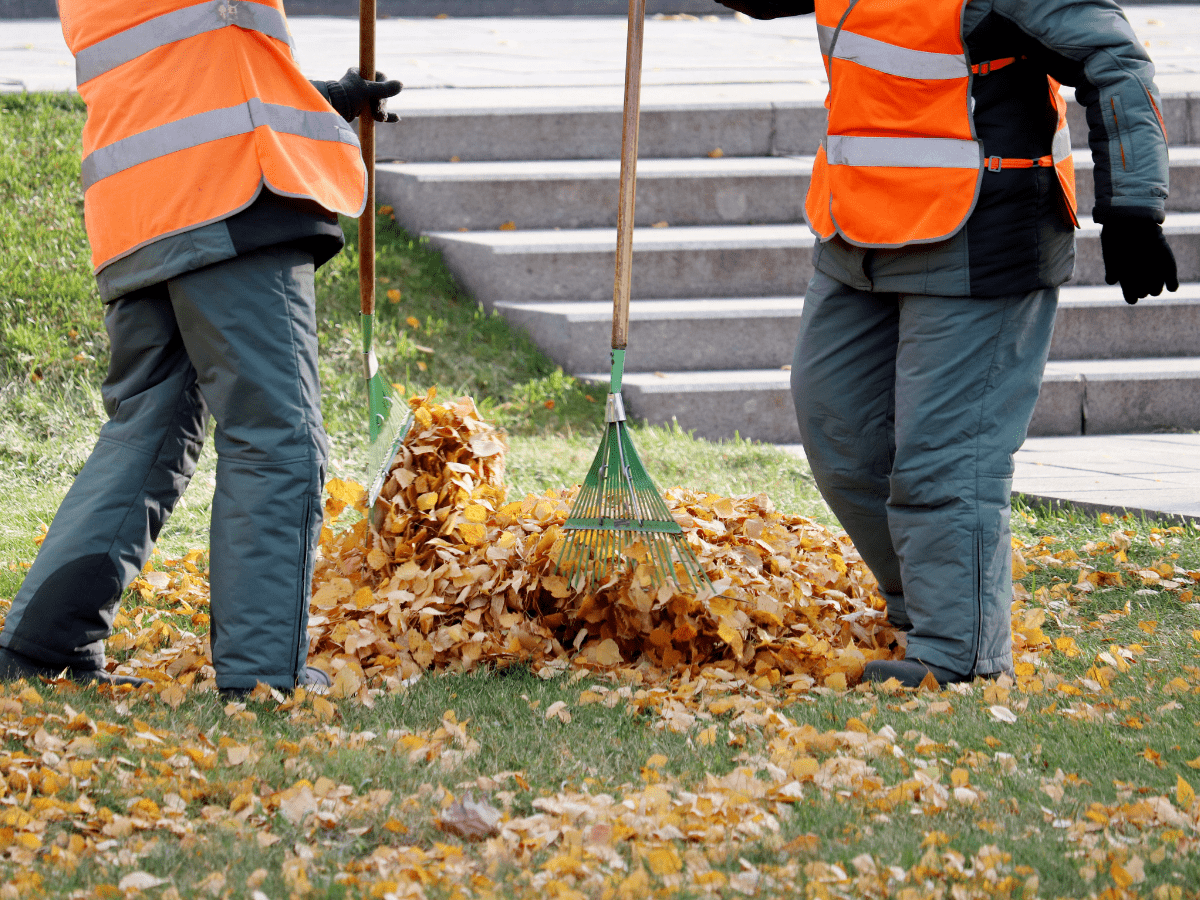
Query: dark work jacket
[{"x": 1018, "y": 238}]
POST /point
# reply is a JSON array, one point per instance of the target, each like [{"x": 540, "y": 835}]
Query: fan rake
[{"x": 618, "y": 518}]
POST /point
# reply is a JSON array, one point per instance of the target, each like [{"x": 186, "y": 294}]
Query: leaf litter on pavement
[{"x": 457, "y": 577}]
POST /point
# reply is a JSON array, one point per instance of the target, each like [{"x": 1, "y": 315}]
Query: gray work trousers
[
  {"x": 237, "y": 339},
  {"x": 911, "y": 409}
]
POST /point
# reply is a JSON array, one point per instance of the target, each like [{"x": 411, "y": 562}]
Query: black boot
[
  {"x": 909, "y": 672},
  {"x": 14, "y": 666}
]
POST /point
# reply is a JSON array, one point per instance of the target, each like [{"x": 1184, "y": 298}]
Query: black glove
[
  {"x": 770, "y": 9},
  {"x": 353, "y": 94},
  {"x": 1137, "y": 255}
]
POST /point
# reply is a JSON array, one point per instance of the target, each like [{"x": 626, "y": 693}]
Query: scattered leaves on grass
[{"x": 458, "y": 576}]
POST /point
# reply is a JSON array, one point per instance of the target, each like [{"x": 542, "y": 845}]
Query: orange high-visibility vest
[
  {"x": 900, "y": 163},
  {"x": 192, "y": 107}
]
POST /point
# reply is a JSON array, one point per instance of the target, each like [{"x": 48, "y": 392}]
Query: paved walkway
[
  {"x": 1153, "y": 474},
  {"x": 572, "y": 62},
  {"x": 583, "y": 55}
]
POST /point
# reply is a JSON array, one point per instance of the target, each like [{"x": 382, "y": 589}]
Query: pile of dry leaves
[{"x": 454, "y": 576}]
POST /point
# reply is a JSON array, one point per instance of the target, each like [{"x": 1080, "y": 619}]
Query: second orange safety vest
[
  {"x": 192, "y": 109},
  {"x": 900, "y": 163}
]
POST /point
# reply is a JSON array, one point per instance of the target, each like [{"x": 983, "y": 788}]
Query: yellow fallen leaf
[
  {"x": 1120, "y": 876},
  {"x": 324, "y": 709},
  {"x": 346, "y": 491},
  {"x": 664, "y": 861},
  {"x": 1185, "y": 794},
  {"x": 1067, "y": 645},
  {"x": 472, "y": 533}
]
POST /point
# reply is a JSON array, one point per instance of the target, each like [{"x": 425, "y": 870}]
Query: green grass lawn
[{"x": 1077, "y": 781}]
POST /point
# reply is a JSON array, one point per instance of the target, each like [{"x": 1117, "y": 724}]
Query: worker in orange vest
[
  {"x": 943, "y": 201},
  {"x": 213, "y": 173}
]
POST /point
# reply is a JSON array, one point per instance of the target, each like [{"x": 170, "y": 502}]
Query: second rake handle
[
  {"x": 629, "y": 154},
  {"x": 366, "y": 137}
]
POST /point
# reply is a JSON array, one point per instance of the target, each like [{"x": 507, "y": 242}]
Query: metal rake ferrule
[{"x": 614, "y": 409}]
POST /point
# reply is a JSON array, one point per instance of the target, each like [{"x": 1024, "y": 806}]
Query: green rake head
[
  {"x": 619, "y": 519},
  {"x": 388, "y": 420}
]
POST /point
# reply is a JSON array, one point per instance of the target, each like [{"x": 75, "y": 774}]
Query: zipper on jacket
[{"x": 1118, "y": 113}]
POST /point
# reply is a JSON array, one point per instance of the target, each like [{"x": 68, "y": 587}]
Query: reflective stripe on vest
[
  {"x": 212, "y": 126},
  {"x": 894, "y": 152},
  {"x": 179, "y": 25},
  {"x": 888, "y": 58}
]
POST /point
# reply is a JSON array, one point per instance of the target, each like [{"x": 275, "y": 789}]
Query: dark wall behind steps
[{"x": 45, "y": 9}]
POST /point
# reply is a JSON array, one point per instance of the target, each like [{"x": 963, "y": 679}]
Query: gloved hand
[
  {"x": 770, "y": 9},
  {"x": 1137, "y": 255},
  {"x": 352, "y": 94}
]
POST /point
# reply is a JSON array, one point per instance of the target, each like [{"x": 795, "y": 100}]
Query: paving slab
[
  {"x": 1155, "y": 475},
  {"x": 505, "y": 52}
]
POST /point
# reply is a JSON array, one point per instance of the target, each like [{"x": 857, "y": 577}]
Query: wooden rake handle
[
  {"x": 366, "y": 137},
  {"x": 629, "y": 154}
]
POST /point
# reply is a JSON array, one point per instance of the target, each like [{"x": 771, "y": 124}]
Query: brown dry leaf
[
  {"x": 173, "y": 694},
  {"x": 471, "y": 819}
]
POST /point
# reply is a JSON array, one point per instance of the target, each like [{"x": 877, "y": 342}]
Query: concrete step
[
  {"x": 678, "y": 121},
  {"x": 583, "y": 193},
  {"x": 1094, "y": 322},
  {"x": 669, "y": 263},
  {"x": 1118, "y": 396},
  {"x": 666, "y": 335},
  {"x": 701, "y": 261},
  {"x": 688, "y": 335},
  {"x": 1078, "y": 397}
]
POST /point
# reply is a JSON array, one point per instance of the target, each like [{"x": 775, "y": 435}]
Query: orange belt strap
[
  {"x": 992, "y": 65},
  {"x": 996, "y": 163}
]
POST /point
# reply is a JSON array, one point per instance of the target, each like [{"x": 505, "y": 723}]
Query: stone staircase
[{"x": 722, "y": 258}]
